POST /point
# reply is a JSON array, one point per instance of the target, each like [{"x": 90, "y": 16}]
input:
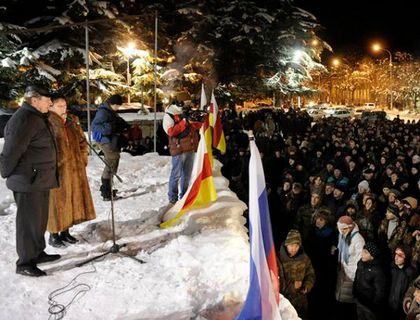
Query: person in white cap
[{"x": 350, "y": 246}]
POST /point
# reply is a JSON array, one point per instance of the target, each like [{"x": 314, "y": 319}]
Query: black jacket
[
  {"x": 29, "y": 156},
  {"x": 400, "y": 281},
  {"x": 370, "y": 284}
]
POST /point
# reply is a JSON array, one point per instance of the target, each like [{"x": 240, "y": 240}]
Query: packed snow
[{"x": 197, "y": 270}]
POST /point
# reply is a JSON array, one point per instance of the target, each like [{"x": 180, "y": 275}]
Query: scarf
[{"x": 344, "y": 245}]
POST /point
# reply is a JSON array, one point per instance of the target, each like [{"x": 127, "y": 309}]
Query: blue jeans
[{"x": 180, "y": 175}]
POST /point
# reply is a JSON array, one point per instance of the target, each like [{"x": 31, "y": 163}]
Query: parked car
[
  {"x": 358, "y": 112},
  {"x": 340, "y": 113},
  {"x": 370, "y": 105},
  {"x": 316, "y": 114},
  {"x": 373, "y": 115}
]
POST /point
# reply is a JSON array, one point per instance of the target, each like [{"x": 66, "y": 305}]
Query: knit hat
[
  {"x": 412, "y": 202},
  {"x": 364, "y": 185},
  {"x": 344, "y": 222},
  {"x": 293, "y": 237},
  {"x": 372, "y": 249},
  {"x": 393, "y": 209}
]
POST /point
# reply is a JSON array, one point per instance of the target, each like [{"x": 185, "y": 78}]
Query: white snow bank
[{"x": 198, "y": 270}]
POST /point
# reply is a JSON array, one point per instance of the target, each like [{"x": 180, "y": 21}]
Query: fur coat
[{"x": 71, "y": 203}]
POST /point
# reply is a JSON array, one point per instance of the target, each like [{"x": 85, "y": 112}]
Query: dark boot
[
  {"x": 55, "y": 240},
  {"x": 65, "y": 236},
  {"x": 106, "y": 189},
  {"x": 30, "y": 270}
]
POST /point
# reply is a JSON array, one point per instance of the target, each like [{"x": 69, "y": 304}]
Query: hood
[{"x": 174, "y": 109}]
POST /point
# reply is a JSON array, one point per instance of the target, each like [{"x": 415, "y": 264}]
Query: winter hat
[
  {"x": 364, "y": 185},
  {"x": 293, "y": 237},
  {"x": 372, "y": 249},
  {"x": 393, "y": 209},
  {"x": 323, "y": 214},
  {"x": 344, "y": 222},
  {"x": 368, "y": 171},
  {"x": 396, "y": 192},
  {"x": 411, "y": 201},
  {"x": 341, "y": 187}
]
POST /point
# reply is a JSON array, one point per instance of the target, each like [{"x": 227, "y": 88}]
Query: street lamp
[
  {"x": 376, "y": 47},
  {"x": 336, "y": 62},
  {"x": 128, "y": 52}
]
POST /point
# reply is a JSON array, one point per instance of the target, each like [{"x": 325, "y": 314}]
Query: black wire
[{"x": 57, "y": 310}]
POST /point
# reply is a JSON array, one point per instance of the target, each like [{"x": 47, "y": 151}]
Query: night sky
[{"x": 352, "y": 24}]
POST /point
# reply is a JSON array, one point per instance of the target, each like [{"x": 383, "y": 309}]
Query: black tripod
[{"x": 115, "y": 248}]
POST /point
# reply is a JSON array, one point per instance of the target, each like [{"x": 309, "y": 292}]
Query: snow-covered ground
[{"x": 198, "y": 270}]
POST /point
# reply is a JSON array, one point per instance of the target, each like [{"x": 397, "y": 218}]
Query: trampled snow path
[{"x": 197, "y": 270}]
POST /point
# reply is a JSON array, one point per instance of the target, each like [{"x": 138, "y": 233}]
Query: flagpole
[{"x": 154, "y": 80}]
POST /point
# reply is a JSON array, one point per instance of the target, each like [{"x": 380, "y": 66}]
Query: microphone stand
[{"x": 115, "y": 248}]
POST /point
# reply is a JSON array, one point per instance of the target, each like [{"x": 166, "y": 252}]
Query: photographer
[
  {"x": 183, "y": 142},
  {"x": 107, "y": 129}
]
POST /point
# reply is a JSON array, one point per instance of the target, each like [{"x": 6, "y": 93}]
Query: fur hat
[
  {"x": 364, "y": 185},
  {"x": 293, "y": 237},
  {"x": 322, "y": 213}
]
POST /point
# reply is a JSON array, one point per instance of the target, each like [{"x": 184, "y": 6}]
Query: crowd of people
[{"x": 343, "y": 199}]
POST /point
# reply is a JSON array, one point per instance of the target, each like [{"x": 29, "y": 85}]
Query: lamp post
[
  {"x": 376, "y": 47},
  {"x": 335, "y": 62},
  {"x": 128, "y": 52}
]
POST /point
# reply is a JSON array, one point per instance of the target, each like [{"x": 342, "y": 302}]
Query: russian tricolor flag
[{"x": 263, "y": 294}]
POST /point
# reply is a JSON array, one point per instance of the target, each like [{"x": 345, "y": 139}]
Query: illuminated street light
[
  {"x": 315, "y": 42},
  {"x": 336, "y": 62},
  {"x": 376, "y": 47}
]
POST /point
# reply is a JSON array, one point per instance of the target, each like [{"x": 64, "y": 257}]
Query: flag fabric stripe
[
  {"x": 201, "y": 191},
  {"x": 262, "y": 299},
  {"x": 203, "y": 98},
  {"x": 205, "y": 173}
]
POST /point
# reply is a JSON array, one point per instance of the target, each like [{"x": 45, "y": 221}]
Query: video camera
[{"x": 194, "y": 115}]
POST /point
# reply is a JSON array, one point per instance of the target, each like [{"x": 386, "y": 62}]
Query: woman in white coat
[{"x": 350, "y": 246}]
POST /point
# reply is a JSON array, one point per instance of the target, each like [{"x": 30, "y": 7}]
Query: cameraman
[
  {"x": 183, "y": 142},
  {"x": 107, "y": 129}
]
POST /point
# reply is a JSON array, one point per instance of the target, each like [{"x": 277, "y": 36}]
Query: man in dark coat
[
  {"x": 107, "y": 130},
  {"x": 29, "y": 162},
  {"x": 402, "y": 274},
  {"x": 369, "y": 284}
]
